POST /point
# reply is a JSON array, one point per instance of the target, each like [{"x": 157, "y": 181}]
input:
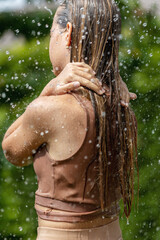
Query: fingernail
[
  {"x": 102, "y": 91},
  {"x": 76, "y": 84}
]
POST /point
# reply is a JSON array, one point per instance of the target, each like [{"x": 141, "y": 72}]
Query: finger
[
  {"x": 85, "y": 69},
  {"x": 125, "y": 98},
  {"x": 124, "y": 104},
  {"x": 90, "y": 85},
  {"x": 107, "y": 90},
  {"x": 133, "y": 96},
  {"x": 84, "y": 65},
  {"x": 67, "y": 88},
  {"x": 88, "y": 76}
]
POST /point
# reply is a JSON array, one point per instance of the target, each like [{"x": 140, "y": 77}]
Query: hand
[
  {"x": 72, "y": 77},
  {"x": 125, "y": 95}
]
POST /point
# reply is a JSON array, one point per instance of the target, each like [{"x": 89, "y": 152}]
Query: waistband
[
  {"x": 66, "y": 206},
  {"x": 59, "y": 211},
  {"x": 94, "y": 223}
]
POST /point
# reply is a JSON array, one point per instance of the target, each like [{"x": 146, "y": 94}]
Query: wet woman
[{"x": 83, "y": 143}]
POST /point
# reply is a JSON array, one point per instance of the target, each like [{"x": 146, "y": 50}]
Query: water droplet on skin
[
  {"x": 90, "y": 141},
  {"x": 55, "y": 140},
  {"x": 46, "y": 131},
  {"x": 62, "y": 126},
  {"x": 42, "y": 133},
  {"x": 33, "y": 151}
]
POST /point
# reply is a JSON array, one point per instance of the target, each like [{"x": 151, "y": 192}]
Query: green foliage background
[{"x": 24, "y": 71}]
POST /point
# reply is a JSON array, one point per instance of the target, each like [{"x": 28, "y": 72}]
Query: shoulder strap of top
[{"x": 82, "y": 102}]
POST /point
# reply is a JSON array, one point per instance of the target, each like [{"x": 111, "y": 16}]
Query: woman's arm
[
  {"x": 14, "y": 126},
  {"x": 72, "y": 77},
  {"x": 27, "y": 133},
  {"x": 79, "y": 74}
]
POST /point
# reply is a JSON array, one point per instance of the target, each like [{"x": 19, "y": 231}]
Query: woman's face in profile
[{"x": 58, "y": 52}]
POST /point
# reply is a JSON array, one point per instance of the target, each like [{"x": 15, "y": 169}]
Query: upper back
[{"x": 73, "y": 117}]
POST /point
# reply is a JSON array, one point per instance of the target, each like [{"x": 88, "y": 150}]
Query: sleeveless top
[{"x": 70, "y": 187}]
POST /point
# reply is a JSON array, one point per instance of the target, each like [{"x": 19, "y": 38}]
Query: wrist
[{"x": 49, "y": 89}]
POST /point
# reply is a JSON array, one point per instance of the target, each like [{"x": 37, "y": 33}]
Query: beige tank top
[{"x": 71, "y": 186}]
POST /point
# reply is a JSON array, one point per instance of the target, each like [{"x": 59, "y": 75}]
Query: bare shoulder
[
  {"x": 47, "y": 104},
  {"x": 55, "y": 110},
  {"x": 66, "y": 121}
]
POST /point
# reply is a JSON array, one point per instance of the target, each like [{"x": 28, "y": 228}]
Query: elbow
[{"x": 15, "y": 158}]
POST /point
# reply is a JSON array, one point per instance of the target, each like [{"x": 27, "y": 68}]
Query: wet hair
[{"x": 95, "y": 40}]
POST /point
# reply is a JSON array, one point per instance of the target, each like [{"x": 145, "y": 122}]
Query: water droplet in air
[
  {"x": 3, "y": 95},
  {"x": 20, "y": 229},
  {"x": 38, "y": 42}
]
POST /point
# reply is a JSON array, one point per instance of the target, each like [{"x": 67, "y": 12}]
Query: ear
[{"x": 68, "y": 33}]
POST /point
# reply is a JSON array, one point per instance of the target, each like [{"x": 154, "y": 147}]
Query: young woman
[{"x": 83, "y": 143}]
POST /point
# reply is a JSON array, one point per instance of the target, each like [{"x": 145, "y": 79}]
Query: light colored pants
[{"x": 110, "y": 231}]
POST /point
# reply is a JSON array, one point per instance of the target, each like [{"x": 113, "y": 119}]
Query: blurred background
[{"x": 25, "y": 69}]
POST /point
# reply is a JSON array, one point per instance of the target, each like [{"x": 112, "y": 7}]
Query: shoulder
[
  {"x": 48, "y": 109},
  {"x": 47, "y": 104}
]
